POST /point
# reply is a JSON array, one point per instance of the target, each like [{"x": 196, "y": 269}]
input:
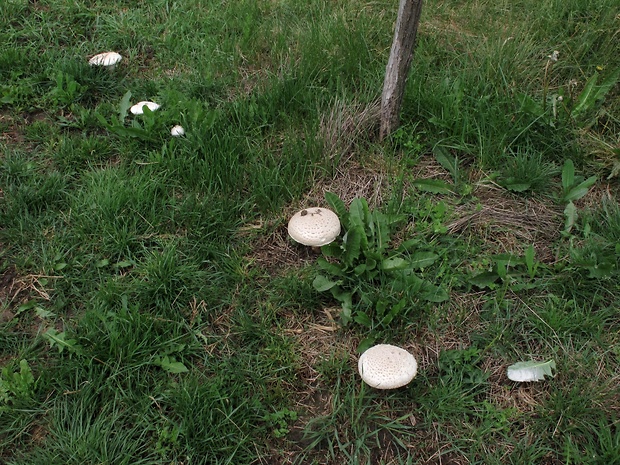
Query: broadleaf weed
[
  {"x": 512, "y": 271},
  {"x": 566, "y": 106},
  {"x": 66, "y": 90},
  {"x": 61, "y": 342},
  {"x": 16, "y": 385},
  {"x": 373, "y": 283},
  {"x": 280, "y": 421},
  {"x": 574, "y": 187}
]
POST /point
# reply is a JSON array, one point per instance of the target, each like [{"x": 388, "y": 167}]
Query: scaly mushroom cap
[
  {"x": 385, "y": 366},
  {"x": 314, "y": 226},
  {"x": 105, "y": 59},
  {"x": 137, "y": 108}
]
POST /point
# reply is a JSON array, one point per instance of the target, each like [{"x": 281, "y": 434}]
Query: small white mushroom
[
  {"x": 385, "y": 366},
  {"x": 137, "y": 109},
  {"x": 177, "y": 131},
  {"x": 314, "y": 226},
  {"x": 108, "y": 59}
]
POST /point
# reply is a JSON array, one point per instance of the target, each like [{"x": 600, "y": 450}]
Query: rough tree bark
[{"x": 398, "y": 65}]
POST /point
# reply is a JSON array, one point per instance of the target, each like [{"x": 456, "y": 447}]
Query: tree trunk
[{"x": 398, "y": 65}]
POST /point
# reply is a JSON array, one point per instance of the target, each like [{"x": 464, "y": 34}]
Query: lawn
[{"x": 153, "y": 309}]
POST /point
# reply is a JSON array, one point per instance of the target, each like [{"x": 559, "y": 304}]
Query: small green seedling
[
  {"x": 509, "y": 270},
  {"x": 66, "y": 91},
  {"x": 170, "y": 364},
  {"x": 574, "y": 187},
  {"x": 16, "y": 385},
  {"x": 280, "y": 421},
  {"x": 60, "y": 341}
]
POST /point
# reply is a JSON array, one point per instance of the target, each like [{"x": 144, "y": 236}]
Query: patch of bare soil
[
  {"x": 8, "y": 291},
  {"x": 10, "y": 132},
  {"x": 273, "y": 250},
  {"x": 12, "y": 127},
  {"x": 16, "y": 290},
  {"x": 319, "y": 339},
  {"x": 38, "y": 433}
]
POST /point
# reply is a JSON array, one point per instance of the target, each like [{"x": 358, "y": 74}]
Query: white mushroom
[
  {"x": 314, "y": 226},
  {"x": 137, "y": 109},
  {"x": 108, "y": 59},
  {"x": 177, "y": 131},
  {"x": 385, "y": 366}
]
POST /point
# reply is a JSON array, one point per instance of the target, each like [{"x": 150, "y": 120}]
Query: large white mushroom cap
[
  {"x": 314, "y": 226},
  {"x": 385, "y": 366},
  {"x": 105, "y": 59},
  {"x": 137, "y": 108}
]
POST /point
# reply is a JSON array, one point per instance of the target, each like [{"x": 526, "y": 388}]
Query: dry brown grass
[
  {"x": 429, "y": 168},
  {"x": 272, "y": 249},
  {"x": 504, "y": 222},
  {"x": 345, "y": 125},
  {"x": 370, "y": 181},
  {"x": 8, "y": 293},
  {"x": 318, "y": 339},
  {"x": 598, "y": 194},
  {"x": 15, "y": 290},
  {"x": 508, "y": 223}
]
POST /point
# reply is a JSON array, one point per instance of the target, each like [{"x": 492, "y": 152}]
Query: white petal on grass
[
  {"x": 531, "y": 371},
  {"x": 137, "y": 109},
  {"x": 177, "y": 131}
]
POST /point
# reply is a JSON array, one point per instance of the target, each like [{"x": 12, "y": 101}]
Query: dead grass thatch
[
  {"x": 508, "y": 223},
  {"x": 345, "y": 125}
]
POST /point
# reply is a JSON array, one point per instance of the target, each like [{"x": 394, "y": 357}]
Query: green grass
[{"x": 152, "y": 309}]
